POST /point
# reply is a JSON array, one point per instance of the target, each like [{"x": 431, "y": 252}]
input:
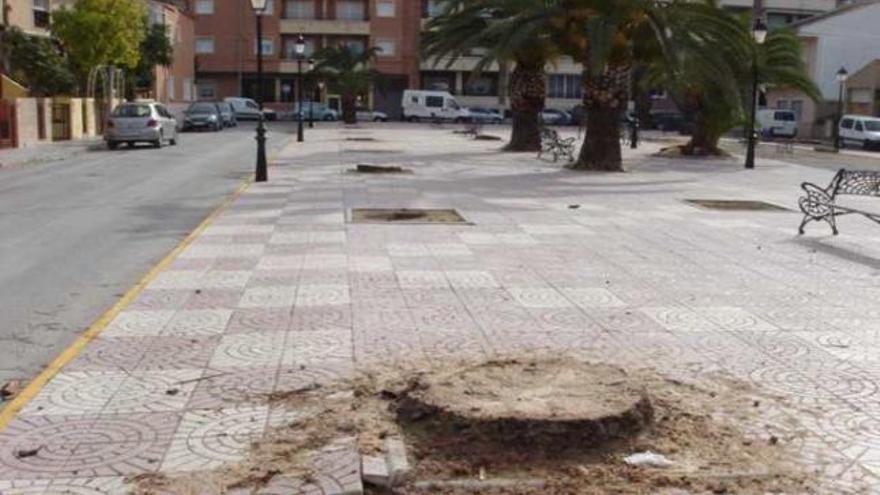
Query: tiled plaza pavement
[{"x": 282, "y": 291}]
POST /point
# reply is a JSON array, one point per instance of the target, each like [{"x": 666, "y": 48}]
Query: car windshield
[
  {"x": 202, "y": 108},
  {"x": 872, "y": 125},
  {"x": 132, "y": 111}
]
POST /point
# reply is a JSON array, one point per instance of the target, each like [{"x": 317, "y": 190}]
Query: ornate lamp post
[
  {"x": 262, "y": 174},
  {"x": 760, "y": 34},
  {"x": 300, "y": 51},
  {"x": 841, "y": 76}
]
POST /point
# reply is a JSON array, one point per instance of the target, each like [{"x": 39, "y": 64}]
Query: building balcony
[{"x": 324, "y": 26}]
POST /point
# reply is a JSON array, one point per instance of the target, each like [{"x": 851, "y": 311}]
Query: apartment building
[
  {"x": 226, "y": 49},
  {"x": 31, "y": 16},
  {"x": 174, "y": 85},
  {"x": 843, "y": 38}
]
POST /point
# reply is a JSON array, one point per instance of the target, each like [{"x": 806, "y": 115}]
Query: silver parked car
[
  {"x": 140, "y": 122},
  {"x": 367, "y": 115}
]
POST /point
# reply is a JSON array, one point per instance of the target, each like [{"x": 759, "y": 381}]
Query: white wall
[{"x": 850, "y": 40}]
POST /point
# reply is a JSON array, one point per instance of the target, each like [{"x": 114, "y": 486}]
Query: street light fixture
[
  {"x": 262, "y": 173},
  {"x": 311, "y": 95},
  {"x": 300, "y": 48},
  {"x": 759, "y": 32},
  {"x": 841, "y": 76}
]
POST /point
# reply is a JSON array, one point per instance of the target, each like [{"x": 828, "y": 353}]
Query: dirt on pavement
[{"x": 708, "y": 433}]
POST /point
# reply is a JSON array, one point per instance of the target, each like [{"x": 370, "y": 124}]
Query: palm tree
[
  {"x": 613, "y": 37},
  {"x": 348, "y": 73},
  {"x": 516, "y": 32},
  {"x": 716, "y": 87}
]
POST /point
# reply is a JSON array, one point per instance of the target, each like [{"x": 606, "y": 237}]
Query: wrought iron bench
[
  {"x": 823, "y": 203},
  {"x": 552, "y": 144}
]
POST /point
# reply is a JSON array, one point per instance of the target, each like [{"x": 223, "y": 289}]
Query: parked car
[
  {"x": 248, "y": 109},
  {"x": 319, "y": 111},
  {"x": 777, "y": 123},
  {"x": 421, "y": 105},
  {"x": 552, "y": 116},
  {"x": 203, "y": 115},
  {"x": 140, "y": 122},
  {"x": 860, "y": 130},
  {"x": 367, "y": 115},
  {"x": 484, "y": 115},
  {"x": 228, "y": 114}
]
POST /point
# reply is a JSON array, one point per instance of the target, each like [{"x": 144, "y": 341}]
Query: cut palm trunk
[{"x": 604, "y": 101}]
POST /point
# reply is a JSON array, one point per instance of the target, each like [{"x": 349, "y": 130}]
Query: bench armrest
[{"x": 817, "y": 203}]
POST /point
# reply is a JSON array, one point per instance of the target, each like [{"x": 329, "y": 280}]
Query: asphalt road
[{"x": 76, "y": 234}]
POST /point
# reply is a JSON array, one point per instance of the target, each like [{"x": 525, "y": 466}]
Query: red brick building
[{"x": 225, "y": 45}]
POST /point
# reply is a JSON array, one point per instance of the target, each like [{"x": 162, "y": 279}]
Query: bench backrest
[
  {"x": 548, "y": 133},
  {"x": 856, "y": 183}
]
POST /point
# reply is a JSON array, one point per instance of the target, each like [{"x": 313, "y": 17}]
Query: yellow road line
[{"x": 67, "y": 355}]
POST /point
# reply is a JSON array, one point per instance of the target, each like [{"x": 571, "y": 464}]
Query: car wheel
[
  {"x": 112, "y": 145},
  {"x": 329, "y": 118},
  {"x": 378, "y": 119}
]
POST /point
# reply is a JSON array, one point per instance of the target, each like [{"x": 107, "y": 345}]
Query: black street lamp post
[
  {"x": 841, "y": 76},
  {"x": 262, "y": 173},
  {"x": 311, "y": 96},
  {"x": 760, "y": 34},
  {"x": 300, "y": 50}
]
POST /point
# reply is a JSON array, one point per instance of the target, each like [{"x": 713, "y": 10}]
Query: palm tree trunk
[
  {"x": 349, "y": 115},
  {"x": 528, "y": 90},
  {"x": 605, "y": 98},
  {"x": 703, "y": 141}
]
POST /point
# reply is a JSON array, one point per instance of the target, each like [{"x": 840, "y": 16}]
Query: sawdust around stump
[{"x": 709, "y": 432}]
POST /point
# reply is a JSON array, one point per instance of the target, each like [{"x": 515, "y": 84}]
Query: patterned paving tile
[
  {"x": 422, "y": 279},
  {"x": 76, "y": 392},
  {"x": 256, "y": 350},
  {"x": 201, "y": 299},
  {"x": 153, "y": 391},
  {"x": 322, "y": 295},
  {"x": 268, "y": 297},
  {"x": 319, "y": 346},
  {"x": 138, "y": 323},
  {"x": 259, "y": 320},
  {"x": 333, "y": 317},
  {"x": 198, "y": 323},
  {"x": 592, "y": 297},
  {"x": 207, "y": 439},
  {"x": 539, "y": 298},
  {"x": 66, "y": 486},
  {"x": 222, "y": 388},
  {"x": 87, "y": 446}
]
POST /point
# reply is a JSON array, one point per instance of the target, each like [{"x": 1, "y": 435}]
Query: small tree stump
[{"x": 519, "y": 402}]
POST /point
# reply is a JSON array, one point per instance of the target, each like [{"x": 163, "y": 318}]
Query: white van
[
  {"x": 860, "y": 130},
  {"x": 247, "y": 109},
  {"x": 432, "y": 105},
  {"x": 777, "y": 123}
]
